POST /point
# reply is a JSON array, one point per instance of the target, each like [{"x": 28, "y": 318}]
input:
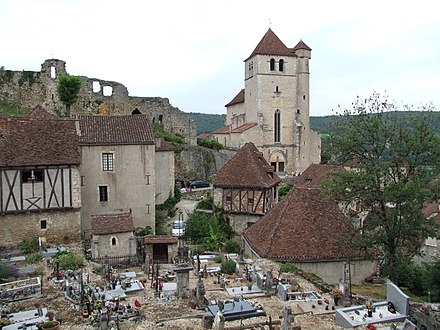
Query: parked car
[
  {"x": 178, "y": 228},
  {"x": 199, "y": 184}
]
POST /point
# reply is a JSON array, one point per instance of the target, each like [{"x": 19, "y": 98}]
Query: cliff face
[{"x": 31, "y": 88}]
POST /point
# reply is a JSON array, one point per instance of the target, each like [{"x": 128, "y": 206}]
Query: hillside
[{"x": 207, "y": 122}]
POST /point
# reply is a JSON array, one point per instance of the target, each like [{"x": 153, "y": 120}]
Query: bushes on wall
[{"x": 211, "y": 144}]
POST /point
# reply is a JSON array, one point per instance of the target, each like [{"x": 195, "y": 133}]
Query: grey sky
[{"x": 192, "y": 51}]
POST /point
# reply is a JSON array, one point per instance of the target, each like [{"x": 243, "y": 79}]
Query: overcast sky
[{"x": 192, "y": 52}]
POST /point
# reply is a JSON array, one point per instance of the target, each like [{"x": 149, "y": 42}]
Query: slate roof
[
  {"x": 247, "y": 169},
  {"x": 270, "y": 44},
  {"x": 304, "y": 226},
  {"x": 104, "y": 224},
  {"x": 111, "y": 130},
  {"x": 239, "y": 98},
  {"x": 160, "y": 240},
  {"x": 27, "y": 141}
]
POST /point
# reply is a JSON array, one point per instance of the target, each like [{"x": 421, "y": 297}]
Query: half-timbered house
[
  {"x": 39, "y": 179},
  {"x": 246, "y": 187}
]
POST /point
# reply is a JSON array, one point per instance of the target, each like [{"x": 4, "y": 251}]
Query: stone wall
[{"x": 31, "y": 88}]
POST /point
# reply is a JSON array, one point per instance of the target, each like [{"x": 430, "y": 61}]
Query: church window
[
  {"x": 277, "y": 124},
  {"x": 272, "y": 64},
  {"x": 281, "y": 65},
  {"x": 107, "y": 161},
  {"x": 103, "y": 193}
]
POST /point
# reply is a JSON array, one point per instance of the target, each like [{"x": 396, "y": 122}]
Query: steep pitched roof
[
  {"x": 110, "y": 130},
  {"x": 301, "y": 45},
  {"x": 112, "y": 223},
  {"x": 247, "y": 169},
  {"x": 26, "y": 141},
  {"x": 304, "y": 226},
  {"x": 239, "y": 98},
  {"x": 270, "y": 44},
  {"x": 39, "y": 113}
]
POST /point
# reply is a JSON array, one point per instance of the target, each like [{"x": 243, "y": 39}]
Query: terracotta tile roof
[
  {"x": 223, "y": 130},
  {"x": 163, "y": 145},
  {"x": 247, "y": 169},
  {"x": 110, "y": 130},
  {"x": 301, "y": 45},
  {"x": 304, "y": 226},
  {"x": 104, "y": 224},
  {"x": 26, "y": 141},
  {"x": 315, "y": 174},
  {"x": 203, "y": 136},
  {"x": 243, "y": 128},
  {"x": 39, "y": 113},
  {"x": 270, "y": 44},
  {"x": 160, "y": 240},
  {"x": 239, "y": 98}
]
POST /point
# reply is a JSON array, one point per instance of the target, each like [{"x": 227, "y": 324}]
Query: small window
[
  {"x": 53, "y": 72},
  {"x": 277, "y": 89},
  {"x": 228, "y": 199},
  {"x": 304, "y": 97},
  {"x": 83, "y": 180},
  {"x": 114, "y": 241},
  {"x": 103, "y": 193},
  {"x": 31, "y": 176},
  {"x": 107, "y": 161},
  {"x": 107, "y": 90},
  {"x": 272, "y": 64},
  {"x": 43, "y": 224},
  {"x": 147, "y": 179},
  {"x": 297, "y": 111},
  {"x": 250, "y": 201},
  {"x": 281, "y": 65}
]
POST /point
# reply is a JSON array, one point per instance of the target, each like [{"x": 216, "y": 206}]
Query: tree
[
  {"x": 68, "y": 90},
  {"x": 394, "y": 162}
]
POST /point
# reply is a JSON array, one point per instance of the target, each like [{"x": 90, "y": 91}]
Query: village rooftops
[
  {"x": 104, "y": 224},
  {"x": 247, "y": 169},
  {"x": 38, "y": 141},
  {"x": 116, "y": 130}
]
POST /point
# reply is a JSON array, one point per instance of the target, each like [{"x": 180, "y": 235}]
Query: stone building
[
  {"x": 165, "y": 169},
  {"x": 246, "y": 188},
  {"x": 272, "y": 110},
  {"x": 118, "y": 168},
  {"x": 112, "y": 235},
  {"x": 39, "y": 179},
  {"x": 31, "y": 88},
  {"x": 309, "y": 231}
]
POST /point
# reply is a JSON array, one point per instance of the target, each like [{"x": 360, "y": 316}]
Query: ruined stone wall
[{"x": 29, "y": 89}]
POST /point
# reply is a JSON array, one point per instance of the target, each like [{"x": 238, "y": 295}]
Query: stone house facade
[
  {"x": 118, "y": 168},
  {"x": 112, "y": 235},
  {"x": 164, "y": 169},
  {"x": 272, "y": 110},
  {"x": 39, "y": 179},
  {"x": 246, "y": 188}
]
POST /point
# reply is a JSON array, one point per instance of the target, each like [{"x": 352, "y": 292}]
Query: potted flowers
[
  {"x": 336, "y": 295},
  {"x": 51, "y": 324}
]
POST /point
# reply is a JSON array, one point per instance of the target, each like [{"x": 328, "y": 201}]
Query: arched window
[
  {"x": 137, "y": 112},
  {"x": 281, "y": 65},
  {"x": 113, "y": 241},
  {"x": 277, "y": 125},
  {"x": 272, "y": 64}
]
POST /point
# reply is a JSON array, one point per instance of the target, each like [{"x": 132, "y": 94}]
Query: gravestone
[{"x": 287, "y": 319}]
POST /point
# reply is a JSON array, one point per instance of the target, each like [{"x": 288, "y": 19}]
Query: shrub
[
  {"x": 29, "y": 246},
  {"x": 206, "y": 203},
  {"x": 70, "y": 260},
  {"x": 211, "y": 144},
  {"x": 283, "y": 190},
  {"x": 97, "y": 269},
  {"x": 139, "y": 231},
  {"x": 232, "y": 246},
  {"x": 228, "y": 267},
  {"x": 5, "y": 271},
  {"x": 34, "y": 257},
  {"x": 218, "y": 259}
]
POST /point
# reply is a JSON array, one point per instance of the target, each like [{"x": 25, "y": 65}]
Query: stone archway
[{"x": 278, "y": 160}]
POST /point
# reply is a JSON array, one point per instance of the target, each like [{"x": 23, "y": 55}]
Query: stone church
[{"x": 272, "y": 110}]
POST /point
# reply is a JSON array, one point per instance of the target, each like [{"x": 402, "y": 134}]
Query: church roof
[
  {"x": 111, "y": 130},
  {"x": 301, "y": 45},
  {"x": 239, "y": 98},
  {"x": 243, "y": 128},
  {"x": 105, "y": 224},
  {"x": 270, "y": 44},
  {"x": 247, "y": 169},
  {"x": 27, "y": 141}
]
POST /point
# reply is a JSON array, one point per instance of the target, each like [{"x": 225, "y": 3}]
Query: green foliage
[
  {"x": 395, "y": 161},
  {"x": 206, "y": 204},
  {"x": 139, "y": 231},
  {"x": 167, "y": 209},
  {"x": 68, "y": 90},
  {"x": 218, "y": 259},
  {"x": 29, "y": 246},
  {"x": 283, "y": 190},
  {"x": 289, "y": 268},
  {"x": 34, "y": 257},
  {"x": 228, "y": 267},
  {"x": 97, "y": 269},
  {"x": 159, "y": 131},
  {"x": 5, "y": 270},
  {"x": 232, "y": 246},
  {"x": 207, "y": 122},
  {"x": 211, "y": 144},
  {"x": 432, "y": 280},
  {"x": 12, "y": 110},
  {"x": 70, "y": 260},
  {"x": 30, "y": 77}
]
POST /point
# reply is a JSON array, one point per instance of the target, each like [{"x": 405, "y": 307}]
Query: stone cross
[{"x": 287, "y": 319}]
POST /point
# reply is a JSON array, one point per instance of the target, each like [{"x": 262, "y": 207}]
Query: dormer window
[
  {"x": 281, "y": 65},
  {"x": 272, "y": 64}
]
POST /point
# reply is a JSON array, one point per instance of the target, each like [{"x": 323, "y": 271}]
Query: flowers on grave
[
  {"x": 424, "y": 309},
  {"x": 371, "y": 326},
  {"x": 369, "y": 307},
  {"x": 336, "y": 293},
  {"x": 4, "y": 321},
  {"x": 58, "y": 276},
  {"x": 51, "y": 324}
]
